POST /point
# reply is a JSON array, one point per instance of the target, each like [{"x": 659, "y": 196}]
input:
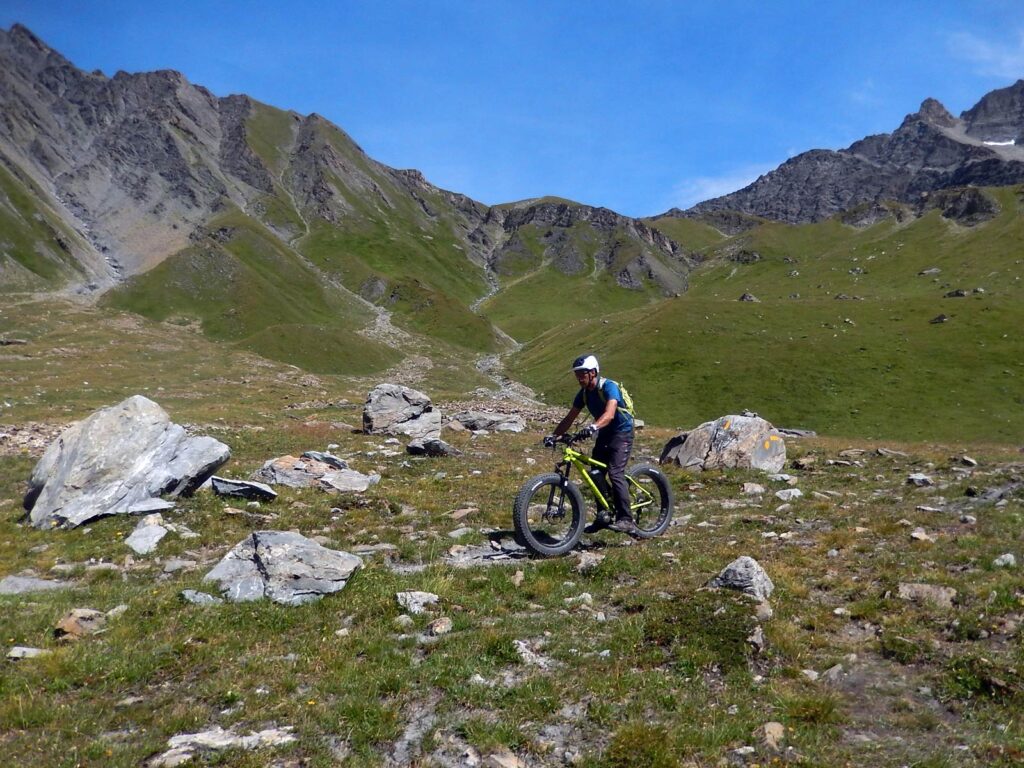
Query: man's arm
[
  {"x": 608, "y": 416},
  {"x": 565, "y": 423}
]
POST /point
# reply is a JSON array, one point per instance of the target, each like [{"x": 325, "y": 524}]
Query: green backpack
[{"x": 627, "y": 399}]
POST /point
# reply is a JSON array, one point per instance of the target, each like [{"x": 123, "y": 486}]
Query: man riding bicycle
[{"x": 614, "y": 428}]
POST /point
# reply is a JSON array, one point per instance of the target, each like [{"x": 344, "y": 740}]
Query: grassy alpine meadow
[
  {"x": 853, "y": 331},
  {"x": 623, "y": 659}
]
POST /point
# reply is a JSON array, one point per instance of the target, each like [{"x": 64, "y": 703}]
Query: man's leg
[{"x": 619, "y": 449}]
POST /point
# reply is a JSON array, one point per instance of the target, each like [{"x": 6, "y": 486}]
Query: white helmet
[{"x": 585, "y": 363}]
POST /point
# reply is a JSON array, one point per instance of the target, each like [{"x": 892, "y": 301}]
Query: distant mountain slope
[
  {"x": 930, "y": 151},
  {"x": 104, "y": 179}
]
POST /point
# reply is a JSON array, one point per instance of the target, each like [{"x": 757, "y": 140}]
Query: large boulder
[
  {"x": 282, "y": 566},
  {"x": 118, "y": 461},
  {"x": 495, "y": 422},
  {"x": 746, "y": 442},
  {"x": 392, "y": 409}
]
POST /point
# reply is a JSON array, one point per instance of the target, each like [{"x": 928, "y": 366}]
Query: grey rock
[
  {"x": 493, "y": 422},
  {"x": 282, "y": 566},
  {"x": 432, "y": 446},
  {"x": 1005, "y": 561},
  {"x": 200, "y": 598},
  {"x": 144, "y": 539},
  {"x": 184, "y": 747},
  {"x": 292, "y": 472},
  {"x": 416, "y": 602},
  {"x": 20, "y": 585},
  {"x": 788, "y": 494},
  {"x": 392, "y": 409},
  {"x": 243, "y": 489},
  {"x": 747, "y": 442},
  {"x": 926, "y": 593},
  {"x": 347, "y": 481},
  {"x": 920, "y": 480},
  {"x": 746, "y": 575},
  {"x": 19, "y": 652},
  {"x": 116, "y": 462},
  {"x": 326, "y": 458}
]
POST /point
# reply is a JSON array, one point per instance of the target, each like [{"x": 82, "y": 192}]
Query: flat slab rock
[
  {"x": 20, "y": 585},
  {"x": 743, "y": 442},
  {"x": 282, "y": 566},
  {"x": 296, "y": 472},
  {"x": 184, "y": 747},
  {"x": 242, "y": 489},
  {"x": 117, "y": 461}
]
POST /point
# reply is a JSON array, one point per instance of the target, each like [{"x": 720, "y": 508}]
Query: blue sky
[{"x": 637, "y": 106}]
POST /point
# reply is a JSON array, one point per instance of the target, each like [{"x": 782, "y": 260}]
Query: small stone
[
  {"x": 789, "y": 494},
  {"x": 458, "y": 533},
  {"x": 772, "y": 736},
  {"x": 832, "y": 553},
  {"x": 753, "y": 489},
  {"x": 24, "y": 652},
  {"x": 588, "y": 561},
  {"x": 810, "y": 674},
  {"x": 967, "y": 461},
  {"x": 440, "y": 626},
  {"x": 833, "y": 674},
  {"x": 763, "y": 611},
  {"x": 1005, "y": 561},
  {"x": 404, "y": 621},
  {"x": 517, "y": 579},
  {"x": 919, "y": 480},
  {"x": 78, "y": 623},
  {"x": 200, "y": 598},
  {"x": 919, "y": 534},
  {"x": 417, "y": 602}
]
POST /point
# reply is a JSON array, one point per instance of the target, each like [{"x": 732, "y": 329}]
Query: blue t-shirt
[{"x": 622, "y": 422}]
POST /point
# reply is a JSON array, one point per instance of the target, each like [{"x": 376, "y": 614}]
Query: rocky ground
[{"x": 892, "y": 635}]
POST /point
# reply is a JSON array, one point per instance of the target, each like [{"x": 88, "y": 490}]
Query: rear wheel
[
  {"x": 650, "y": 500},
  {"x": 548, "y": 515}
]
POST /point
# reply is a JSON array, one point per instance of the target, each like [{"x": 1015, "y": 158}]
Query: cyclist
[{"x": 614, "y": 428}]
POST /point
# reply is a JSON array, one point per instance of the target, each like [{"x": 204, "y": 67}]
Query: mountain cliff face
[
  {"x": 110, "y": 177},
  {"x": 930, "y": 151}
]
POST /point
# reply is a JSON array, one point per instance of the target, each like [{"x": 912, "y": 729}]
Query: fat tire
[
  {"x": 540, "y": 542},
  {"x": 653, "y": 521}
]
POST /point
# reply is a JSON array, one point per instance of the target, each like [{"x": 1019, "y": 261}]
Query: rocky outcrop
[
  {"x": 284, "y": 567},
  {"x": 120, "y": 460},
  {"x": 392, "y": 409},
  {"x": 746, "y": 442},
  {"x": 494, "y": 422}
]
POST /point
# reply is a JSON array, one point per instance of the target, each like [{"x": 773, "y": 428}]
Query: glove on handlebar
[
  {"x": 588, "y": 431},
  {"x": 549, "y": 441}
]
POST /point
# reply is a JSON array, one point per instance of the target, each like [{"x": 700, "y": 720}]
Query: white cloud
[
  {"x": 693, "y": 191},
  {"x": 1004, "y": 60}
]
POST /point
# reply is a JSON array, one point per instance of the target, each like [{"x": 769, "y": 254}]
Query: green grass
[
  {"x": 871, "y": 368},
  {"x": 31, "y": 254}
]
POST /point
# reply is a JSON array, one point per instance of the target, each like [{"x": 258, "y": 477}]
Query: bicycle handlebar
[{"x": 568, "y": 439}]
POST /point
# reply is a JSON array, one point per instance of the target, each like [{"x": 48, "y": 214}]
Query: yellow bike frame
[{"x": 572, "y": 457}]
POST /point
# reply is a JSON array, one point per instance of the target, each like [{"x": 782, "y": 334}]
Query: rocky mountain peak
[
  {"x": 999, "y": 116},
  {"x": 932, "y": 111}
]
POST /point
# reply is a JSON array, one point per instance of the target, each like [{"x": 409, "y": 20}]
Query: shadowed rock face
[
  {"x": 119, "y": 460},
  {"x": 930, "y": 151}
]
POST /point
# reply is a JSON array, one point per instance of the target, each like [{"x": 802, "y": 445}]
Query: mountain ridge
[{"x": 930, "y": 151}]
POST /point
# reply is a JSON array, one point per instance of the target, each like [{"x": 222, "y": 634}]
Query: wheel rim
[
  {"x": 549, "y": 515},
  {"x": 647, "y": 503}
]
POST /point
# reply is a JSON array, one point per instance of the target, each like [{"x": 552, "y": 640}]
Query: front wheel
[
  {"x": 548, "y": 515},
  {"x": 650, "y": 499}
]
